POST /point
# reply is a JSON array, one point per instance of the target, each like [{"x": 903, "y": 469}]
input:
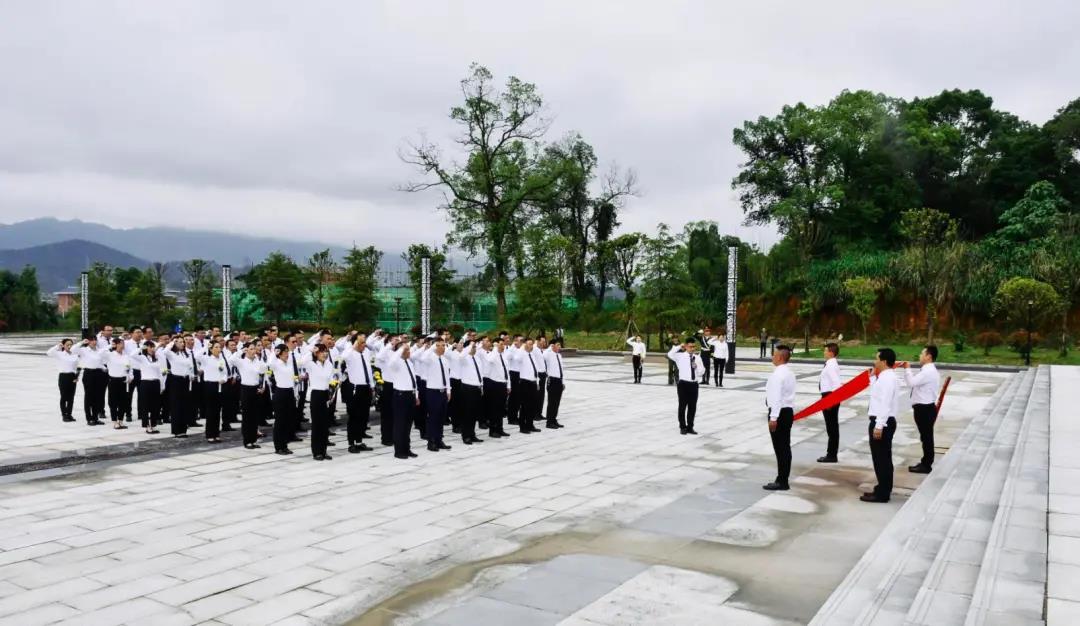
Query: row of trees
[{"x": 21, "y": 307}]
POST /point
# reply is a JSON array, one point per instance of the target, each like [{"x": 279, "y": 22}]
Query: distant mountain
[
  {"x": 59, "y": 264},
  {"x": 161, "y": 243}
]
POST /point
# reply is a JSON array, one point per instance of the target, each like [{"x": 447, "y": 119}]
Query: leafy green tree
[
  {"x": 538, "y": 286},
  {"x": 146, "y": 302},
  {"x": 1027, "y": 303},
  {"x": 444, "y": 291},
  {"x": 321, "y": 270},
  {"x": 625, "y": 252},
  {"x": 203, "y": 307},
  {"x": 1058, "y": 263},
  {"x": 668, "y": 300},
  {"x": 489, "y": 196},
  {"x": 356, "y": 304},
  {"x": 930, "y": 263},
  {"x": 280, "y": 285},
  {"x": 862, "y": 296},
  {"x": 21, "y": 307},
  {"x": 105, "y": 306}
]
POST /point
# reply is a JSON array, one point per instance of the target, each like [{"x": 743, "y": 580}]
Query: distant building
[{"x": 66, "y": 300}]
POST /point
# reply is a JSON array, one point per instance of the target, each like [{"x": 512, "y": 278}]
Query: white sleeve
[
  {"x": 773, "y": 396},
  {"x": 672, "y": 352}
]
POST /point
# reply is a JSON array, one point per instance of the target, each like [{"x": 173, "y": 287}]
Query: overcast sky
[{"x": 287, "y": 117}]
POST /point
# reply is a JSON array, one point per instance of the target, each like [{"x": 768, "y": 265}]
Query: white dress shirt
[
  {"x": 529, "y": 367},
  {"x": 117, "y": 364},
  {"x": 401, "y": 371},
  {"x": 251, "y": 370},
  {"x": 358, "y": 366},
  {"x": 283, "y": 373},
  {"x": 884, "y": 392},
  {"x": 688, "y": 363},
  {"x": 510, "y": 355},
  {"x": 495, "y": 367},
  {"x": 150, "y": 369},
  {"x": 924, "y": 385},
  {"x": 830, "y": 376},
  {"x": 214, "y": 369},
  {"x": 553, "y": 361},
  {"x": 435, "y": 370},
  {"x": 179, "y": 363},
  {"x": 780, "y": 391},
  {"x": 719, "y": 348},
  {"x": 320, "y": 374},
  {"x": 637, "y": 348},
  {"x": 470, "y": 369},
  {"x": 90, "y": 358},
  {"x": 66, "y": 362}
]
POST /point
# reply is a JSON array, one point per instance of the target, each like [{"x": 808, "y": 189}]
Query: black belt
[{"x": 404, "y": 391}]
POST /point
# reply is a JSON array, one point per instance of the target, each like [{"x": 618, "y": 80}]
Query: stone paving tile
[
  {"x": 489, "y": 612},
  {"x": 277, "y": 608}
]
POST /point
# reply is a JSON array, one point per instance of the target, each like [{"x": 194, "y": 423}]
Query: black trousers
[
  {"x": 513, "y": 403},
  {"x": 347, "y": 389},
  {"x": 117, "y": 397},
  {"x": 67, "y": 385},
  {"x": 99, "y": 393},
  {"x": 763, "y": 345},
  {"x": 832, "y": 428},
  {"x": 300, "y": 390},
  {"x": 705, "y": 366},
  {"x": 211, "y": 399},
  {"x": 718, "y": 370},
  {"x": 251, "y": 403},
  {"x": 781, "y": 445},
  {"x": 527, "y": 397},
  {"x": 89, "y": 393},
  {"x": 881, "y": 452},
  {"x": 359, "y": 408},
  {"x": 419, "y": 413},
  {"x": 638, "y": 370},
  {"x": 925, "y": 414},
  {"x": 555, "y": 389},
  {"x": 285, "y": 421},
  {"x": 494, "y": 405},
  {"x": 404, "y": 404},
  {"x": 163, "y": 415},
  {"x": 470, "y": 397},
  {"x": 688, "y": 393},
  {"x": 320, "y": 421},
  {"x": 436, "y": 405},
  {"x": 452, "y": 409},
  {"x": 194, "y": 409},
  {"x": 149, "y": 402},
  {"x": 136, "y": 376},
  {"x": 230, "y": 402},
  {"x": 386, "y": 414},
  {"x": 179, "y": 399},
  {"x": 541, "y": 393}
]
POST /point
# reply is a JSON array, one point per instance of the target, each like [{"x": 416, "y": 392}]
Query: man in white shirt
[
  {"x": 828, "y": 382},
  {"x": 527, "y": 387},
  {"x": 924, "y": 391},
  {"x": 780, "y": 398},
  {"x": 513, "y": 402},
  {"x": 883, "y": 406},
  {"x": 719, "y": 349},
  {"x": 689, "y": 367},
  {"x": 705, "y": 339},
  {"x": 435, "y": 371},
  {"x": 496, "y": 389},
  {"x": 637, "y": 351},
  {"x": 555, "y": 384}
]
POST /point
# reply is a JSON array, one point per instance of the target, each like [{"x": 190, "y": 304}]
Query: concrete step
[
  {"x": 869, "y": 588},
  {"x": 946, "y": 589},
  {"x": 1012, "y": 575}
]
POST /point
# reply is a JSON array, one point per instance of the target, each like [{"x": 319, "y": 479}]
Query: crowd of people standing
[{"x": 414, "y": 382}]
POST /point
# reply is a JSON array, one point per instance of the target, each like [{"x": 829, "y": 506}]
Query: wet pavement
[{"x": 615, "y": 519}]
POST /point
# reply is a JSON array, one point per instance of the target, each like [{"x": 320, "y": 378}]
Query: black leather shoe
[
  {"x": 477, "y": 440},
  {"x": 826, "y": 459},
  {"x": 691, "y": 431},
  {"x": 467, "y": 442},
  {"x": 69, "y": 419},
  {"x": 354, "y": 449},
  {"x": 331, "y": 443},
  {"x": 443, "y": 446},
  {"x": 494, "y": 435},
  {"x": 483, "y": 425},
  {"x": 283, "y": 451},
  {"x": 775, "y": 486},
  {"x": 682, "y": 431},
  {"x": 412, "y": 455},
  {"x": 252, "y": 446},
  {"x": 869, "y": 497},
  {"x": 503, "y": 433},
  {"x": 554, "y": 425},
  {"x": 387, "y": 443},
  {"x": 401, "y": 456},
  {"x": 919, "y": 469},
  {"x": 432, "y": 448},
  {"x": 319, "y": 457}
]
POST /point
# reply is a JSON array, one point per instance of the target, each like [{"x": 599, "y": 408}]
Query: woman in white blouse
[
  {"x": 215, "y": 374},
  {"x": 181, "y": 375},
  {"x": 152, "y": 374},
  {"x": 119, "y": 369}
]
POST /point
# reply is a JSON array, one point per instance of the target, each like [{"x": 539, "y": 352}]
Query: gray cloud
[{"x": 284, "y": 117}]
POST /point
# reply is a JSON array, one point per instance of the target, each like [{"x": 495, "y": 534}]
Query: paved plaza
[{"x": 616, "y": 519}]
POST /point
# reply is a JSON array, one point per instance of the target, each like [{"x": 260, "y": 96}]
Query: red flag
[
  {"x": 941, "y": 397},
  {"x": 846, "y": 391}
]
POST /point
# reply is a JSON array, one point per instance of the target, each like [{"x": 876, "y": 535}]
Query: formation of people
[{"x": 423, "y": 383}]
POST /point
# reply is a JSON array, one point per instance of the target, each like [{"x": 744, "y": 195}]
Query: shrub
[
  {"x": 959, "y": 341},
  {"x": 1018, "y": 340},
  {"x": 989, "y": 340}
]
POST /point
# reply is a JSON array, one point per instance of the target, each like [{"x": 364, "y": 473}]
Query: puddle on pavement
[{"x": 738, "y": 563}]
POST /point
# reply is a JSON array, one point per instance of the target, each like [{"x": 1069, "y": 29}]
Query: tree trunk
[
  {"x": 806, "y": 338},
  {"x": 931, "y": 318},
  {"x": 1065, "y": 332},
  {"x": 863, "y": 331}
]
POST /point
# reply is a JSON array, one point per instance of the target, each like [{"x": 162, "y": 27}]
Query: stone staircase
[{"x": 969, "y": 546}]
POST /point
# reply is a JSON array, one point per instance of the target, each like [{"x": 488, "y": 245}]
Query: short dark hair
[
  {"x": 931, "y": 349},
  {"x": 689, "y": 340},
  {"x": 199, "y": 329},
  {"x": 832, "y": 347},
  {"x": 134, "y": 328},
  {"x": 888, "y": 355},
  {"x": 785, "y": 352}
]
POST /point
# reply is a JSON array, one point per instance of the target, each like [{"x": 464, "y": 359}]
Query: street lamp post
[{"x": 1027, "y": 355}]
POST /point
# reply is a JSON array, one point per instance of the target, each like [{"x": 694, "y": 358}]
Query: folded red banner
[
  {"x": 941, "y": 397},
  {"x": 845, "y": 392}
]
